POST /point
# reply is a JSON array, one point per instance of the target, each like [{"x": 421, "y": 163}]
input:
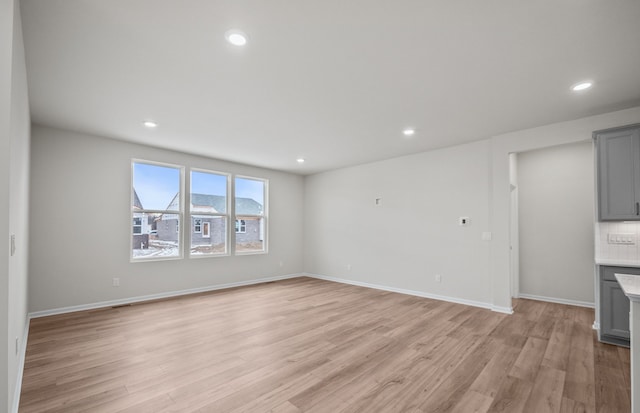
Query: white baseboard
[
  {"x": 558, "y": 300},
  {"x": 168, "y": 294},
  {"x": 505, "y": 310},
  {"x": 21, "y": 357},
  {"x": 488, "y": 306}
]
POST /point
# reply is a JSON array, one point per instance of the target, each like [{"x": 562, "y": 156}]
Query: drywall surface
[
  {"x": 501, "y": 146},
  {"x": 413, "y": 234},
  {"x": 81, "y": 224},
  {"x": 6, "y": 57},
  {"x": 556, "y": 210},
  {"x": 14, "y": 204}
]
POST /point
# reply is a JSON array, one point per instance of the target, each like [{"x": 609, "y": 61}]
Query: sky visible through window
[
  {"x": 250, "y": 188},
  {"x": 208, "y": 183},
  {"x": 156, "y": 185}
]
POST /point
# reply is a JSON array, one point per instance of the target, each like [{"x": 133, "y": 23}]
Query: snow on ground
[{"x": 159, "y": 248}]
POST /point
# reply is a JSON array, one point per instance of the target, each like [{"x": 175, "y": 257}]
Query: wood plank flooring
[{"x": 306, "y": 345}]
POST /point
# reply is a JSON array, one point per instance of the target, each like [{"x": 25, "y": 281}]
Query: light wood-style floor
[{"x": 305, "y": 345}]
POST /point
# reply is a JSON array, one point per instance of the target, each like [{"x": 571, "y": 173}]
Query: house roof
[
  {"x": 136, "y": 201},
  {"x": 218, "y": 203}
]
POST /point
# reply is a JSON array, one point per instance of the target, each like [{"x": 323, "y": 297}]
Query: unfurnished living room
[{"x": 319, "y": 206}]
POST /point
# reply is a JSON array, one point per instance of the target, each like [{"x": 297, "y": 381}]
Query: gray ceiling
[{"x": 332, "y": 81}]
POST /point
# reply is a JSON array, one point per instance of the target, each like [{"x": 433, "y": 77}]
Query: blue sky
[
  {"x": 210, "y": 184},
  {"x": 250, "y": 188},
  {"x": 157, "y": 185}
]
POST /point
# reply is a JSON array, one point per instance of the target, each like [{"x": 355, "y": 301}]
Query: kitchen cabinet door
[
  {"x": 618, "y": 166},
  {"x": 615, "y": 320}
]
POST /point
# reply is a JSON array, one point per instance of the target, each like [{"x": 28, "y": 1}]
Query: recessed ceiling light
[
  {"x": 150, "y": 124},
  {"x": 300, "y": 160},
  {"x": 409, "y": 132},
  {"x": 581, "y": 86},
  {"x": 236, "y": 37}
]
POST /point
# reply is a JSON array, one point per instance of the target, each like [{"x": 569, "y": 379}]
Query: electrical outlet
[
  {"x": 438, "y": 278},
  {"x": 378, "y": 202},
  {"x": 463, "y": 221},
  {"x": 116, "y": 282}
]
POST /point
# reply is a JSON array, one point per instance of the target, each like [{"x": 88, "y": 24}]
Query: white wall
[
  {"x": 6, "y": 47},
  {"x": 80, "y": 225},
  {"x": 414, "y": 234},
  {"x": 525, "y": 140},
  {"x": 14, "y": 189},
  {"x": 556, "y": 211}
]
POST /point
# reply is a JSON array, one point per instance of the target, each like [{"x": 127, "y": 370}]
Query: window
[
  {"x": 209, "y": 213},
  {"x": 250, "y": 215},
  {"x": 156, "y": 211},
  {"x": 137, "y": 225}
]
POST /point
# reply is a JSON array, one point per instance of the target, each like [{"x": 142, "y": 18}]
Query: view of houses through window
[
  {"x": 250, "y": 214},
  {"x": 157, "y": 212},
  {"x": 209, "y": 213}
]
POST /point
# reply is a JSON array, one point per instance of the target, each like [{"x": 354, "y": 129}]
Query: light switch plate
[{"x": 621, "y": 238}]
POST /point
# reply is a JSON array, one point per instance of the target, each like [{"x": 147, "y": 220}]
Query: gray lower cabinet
[{"x": 614, "y": 306}]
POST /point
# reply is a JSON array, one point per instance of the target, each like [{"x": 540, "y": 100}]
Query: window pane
[
  {"x": 212, "y": 238},
  {"x": 252, "y": 238},
  {"x": 158, "y": 236},
  {"x": 155, "y": 187},
  {"x": 208, "y": 192},
  {"x": 249, "y": 196}
]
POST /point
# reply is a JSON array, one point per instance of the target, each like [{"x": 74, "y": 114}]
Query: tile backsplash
[{"x": 607, "y": 251}]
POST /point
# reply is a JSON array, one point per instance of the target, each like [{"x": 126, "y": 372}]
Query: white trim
[
  {"x": 206, "y": 224},
  {"x": 558, "y": 300},
  {"x": 169, "y": 294},
  {"x": 241, "y": 225},
  {"x": 414, "y": 292},
  {"x": 21, "y": 358},
  {"x": 504, "y": 310}
]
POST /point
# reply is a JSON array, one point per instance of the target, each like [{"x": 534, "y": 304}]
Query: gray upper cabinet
[{"x": 618, "y": 166}]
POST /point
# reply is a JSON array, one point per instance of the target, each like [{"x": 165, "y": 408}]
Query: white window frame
[
  {"x": 264, "y": 227},
  {"x": 241, "y": 228},
  {"x": 226, "y": 216},
  {"x": 134, "y": 226},
  {"x": 179, "y": 212}
]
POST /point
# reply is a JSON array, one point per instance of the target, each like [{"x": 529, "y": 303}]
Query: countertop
[
  {"x": 630, "y": 285},
  {"x": 617, "y": 263}
]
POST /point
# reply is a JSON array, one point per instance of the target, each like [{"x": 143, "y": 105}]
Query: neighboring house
[
  {"x": 142, "y": 224},
  {"x": 207, "y": 230}
]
